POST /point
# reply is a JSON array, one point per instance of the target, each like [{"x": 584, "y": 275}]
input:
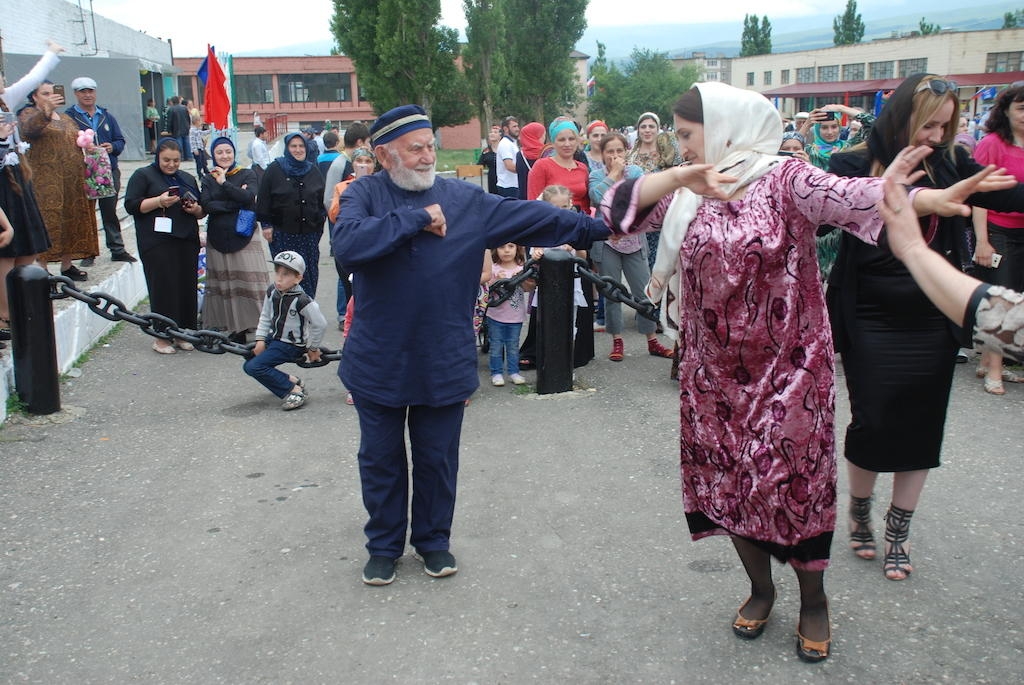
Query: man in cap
[
  {"x": 414, "y": 245},
  {"x": 87, "y": 114}
]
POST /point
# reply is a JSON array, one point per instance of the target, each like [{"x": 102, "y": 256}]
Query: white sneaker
[
  {"x": 497, "y": 380},
  {"x": 517, "y": 379}
]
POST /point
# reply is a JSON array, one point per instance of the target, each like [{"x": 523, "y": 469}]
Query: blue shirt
[{"x": 411, "y": 340}]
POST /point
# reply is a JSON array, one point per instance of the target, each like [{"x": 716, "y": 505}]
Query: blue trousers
[
  {"x": 263, "y": 367},
  {"x": 384, "y": 472},
  {"x": 504, "y": 339}
]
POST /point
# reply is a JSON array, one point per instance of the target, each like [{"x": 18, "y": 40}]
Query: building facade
[
  {"x": 853, "y": 74},
  {"x": 709, "y": 67}
]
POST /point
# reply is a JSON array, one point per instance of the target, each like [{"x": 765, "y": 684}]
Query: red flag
[{"x": 217, "y": 104}]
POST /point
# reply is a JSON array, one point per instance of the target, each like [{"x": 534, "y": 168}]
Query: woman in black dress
[
  {"x": 898, "y": 350},
  {"x": 164, "y": 201}
]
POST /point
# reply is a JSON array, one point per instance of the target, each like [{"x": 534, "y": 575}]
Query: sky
[{"x": 234, "y": 26}]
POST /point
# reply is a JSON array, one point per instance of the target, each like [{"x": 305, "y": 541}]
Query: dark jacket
[
  {"x": 107, "y": 130},
  {"x": 222, "y": 203},
  {"x": 149, "y": 182},
  {"x": 178, "y": 121},
  {"x": 292, "y": 205}
]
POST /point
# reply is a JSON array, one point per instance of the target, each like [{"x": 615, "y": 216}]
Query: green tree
[
  {"x": 848, "y": 26},
  {"x": 541, "y": 35},
  {"x": 403, "y": 56},
  {"x": 1013, "y": 20},
  {"x": 928, "y": 29},
  {"x": 648, "y": 82},
  {"x": 483, "y": 58},
  {"x": 757, "y": 37}
]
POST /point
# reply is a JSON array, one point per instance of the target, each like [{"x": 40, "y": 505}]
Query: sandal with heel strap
[
  {"x": 750, "y": 628},
  {"x": 896, "y": 564},
  {"x": 813, "y": 651},
  {"x": 862, "y": 538}
]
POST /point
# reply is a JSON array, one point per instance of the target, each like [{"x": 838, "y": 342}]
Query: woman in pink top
[
  {"x": 562, "y": 168},
  {"x": 1001, "y": 233},
  {"x": 756, "y": 369}
]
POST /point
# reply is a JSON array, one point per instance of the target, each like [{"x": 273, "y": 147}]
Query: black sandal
[
  {"x": 75, "y": 274},
  {"x": 862, "y": 539},
  {"x": 896, "y": 565}
]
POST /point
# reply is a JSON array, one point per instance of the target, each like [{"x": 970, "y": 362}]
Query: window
[
  {"x": 185, "y": 88},
  {"x": 750, "y": 78},
  {"x": 1002, "y": 61},
  {"x": 767, "y": 78},
  {"x": 712, "y": 63},
  {"x": 805, "y": 75},
  {"x": 784, "y": 77},
  {"x": 829, "y": 73},
  {"x": 853, "y": 72},
  {"x": 913, "y": 66},
  {"x": 880, "y": 69},
  {"x": 254, "y": 88},
  {"x": 315, "y": 87},
  {"x": 711, "y": 76}
]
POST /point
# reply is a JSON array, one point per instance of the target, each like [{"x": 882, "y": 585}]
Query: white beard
[{"x": 410, "y": 179}]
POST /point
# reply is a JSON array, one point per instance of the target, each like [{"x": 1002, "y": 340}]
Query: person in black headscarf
[
  {"x": 290, "y": 205},
  {"x": 164, "y": 202},
  {"x": 898, "y": 350},
  {"x": 236, "y": 263}
]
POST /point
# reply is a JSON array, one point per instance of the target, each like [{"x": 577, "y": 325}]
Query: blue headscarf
[
  {"x": 559, "y": 125},
  {"x": 223, "y": 140},
  {"x": 175, "y": 179},
  {"x": 290, "y": 165}
]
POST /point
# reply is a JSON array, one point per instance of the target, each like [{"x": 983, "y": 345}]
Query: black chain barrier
[
  {"x": 165, "y": 328},
  {"x": 612, "y": 290}
]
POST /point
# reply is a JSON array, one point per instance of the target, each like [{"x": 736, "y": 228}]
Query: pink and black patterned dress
[{"x": 756, "y": 373}]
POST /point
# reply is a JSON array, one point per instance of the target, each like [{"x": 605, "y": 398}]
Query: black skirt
[
  {"x": 899, "y": 370},
  {"x": 30, "y": 235}
]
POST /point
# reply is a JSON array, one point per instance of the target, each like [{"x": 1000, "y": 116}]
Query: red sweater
[{"x": 547, "y": 171}]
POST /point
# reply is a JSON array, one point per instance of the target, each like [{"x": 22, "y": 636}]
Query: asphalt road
[{"x": 173, "y": 525}]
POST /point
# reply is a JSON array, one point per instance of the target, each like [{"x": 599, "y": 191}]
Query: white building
[
  {"x": 129, "y": 66},
  {"x": 853, "y": 74}
]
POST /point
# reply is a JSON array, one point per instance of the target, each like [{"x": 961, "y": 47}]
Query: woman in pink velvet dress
[{"x": 739, "y": 284}]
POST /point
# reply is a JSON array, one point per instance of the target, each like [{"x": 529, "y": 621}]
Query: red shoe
[
  {"x": 617, "y": 352},
  {"x": 656, "y": 349}
]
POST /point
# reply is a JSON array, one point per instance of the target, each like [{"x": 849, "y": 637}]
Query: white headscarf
[{"x": 742, "y": 136}]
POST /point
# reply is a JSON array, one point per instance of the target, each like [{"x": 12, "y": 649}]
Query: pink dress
[{"x": 756, "y": 369}]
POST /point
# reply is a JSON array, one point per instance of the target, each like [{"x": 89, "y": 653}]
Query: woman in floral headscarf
[
  {"x": 236, "y": 265},
  {"x": 756, "y": 370}
]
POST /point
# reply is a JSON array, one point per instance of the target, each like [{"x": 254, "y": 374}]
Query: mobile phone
[
  {"x": 786, "y": 153},
  {"x": 174, "y": 191},
  {"x": 8, "y": 118},
  {"x": 59, "y": 90},
  {"x": 189, "y": 197},
  {"x": 996, "y": 258}
]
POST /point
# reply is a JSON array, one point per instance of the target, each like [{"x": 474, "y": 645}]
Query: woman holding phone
[{"x": 164, "y": 202}]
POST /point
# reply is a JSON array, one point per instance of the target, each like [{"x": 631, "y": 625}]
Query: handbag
[{"x": 245, "y": 224}]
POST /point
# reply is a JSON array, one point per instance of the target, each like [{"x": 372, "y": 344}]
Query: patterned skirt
[{"x": 236, "y": 284}]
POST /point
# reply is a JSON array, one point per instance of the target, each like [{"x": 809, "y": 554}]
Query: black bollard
[
  {"x": 555, "y": 315},
  {"x": 33, "y": 340}
]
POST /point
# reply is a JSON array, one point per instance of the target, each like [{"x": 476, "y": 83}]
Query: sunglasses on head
[{"x": 938, "y": 86}]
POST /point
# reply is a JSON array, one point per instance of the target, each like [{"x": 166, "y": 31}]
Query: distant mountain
[{"x": 788, "y": 35}]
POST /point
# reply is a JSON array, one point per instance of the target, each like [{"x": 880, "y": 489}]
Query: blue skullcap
[{"x": 396, "y": 122}]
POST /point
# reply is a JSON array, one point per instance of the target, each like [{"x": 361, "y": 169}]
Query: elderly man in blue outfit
[
  {"x": 414, "y": 244},
  {"x": 87, "y": 114}
]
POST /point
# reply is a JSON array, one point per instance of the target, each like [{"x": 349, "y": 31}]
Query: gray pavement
[{"x": 173, "y": 525}]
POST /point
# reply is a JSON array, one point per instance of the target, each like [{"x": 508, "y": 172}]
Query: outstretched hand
[
  {"x": 901, "y": 169},
  {"x": 950, "y": 201},
  {"x": 702, "y": 179}
]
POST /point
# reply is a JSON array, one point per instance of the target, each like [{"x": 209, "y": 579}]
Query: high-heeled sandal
[
  {"x": 813, "y": 651},
  {"x": 862, "y": 539},
  {"x": 896, "y": 563},
  {"x": 749, "y": 628}
]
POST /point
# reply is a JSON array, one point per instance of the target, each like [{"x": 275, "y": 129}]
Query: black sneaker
[
  {"x": 438, "y": 563},
  {"x": 379, "y": 571},
  {"x": 122, "y": 257},
  {"x": 88, "y": 261}
]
